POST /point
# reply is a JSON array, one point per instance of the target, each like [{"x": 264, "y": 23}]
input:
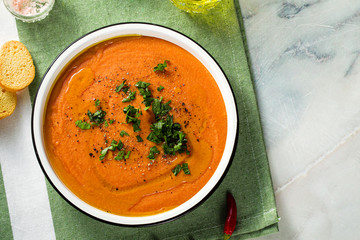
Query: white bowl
[{"x": 97, "y": 36}]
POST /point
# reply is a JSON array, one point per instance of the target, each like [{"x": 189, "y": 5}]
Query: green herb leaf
[
  {"x": 160, "y": 88},
  {"x": 153, "y": 151},
  {"x": 82, "y": 125},
  {"x": 185, "y": 167},
  {"x": 136, "y": 126},
  {"x": 116, "y": 145},
  {"x": 139, "y": 139},
  {"x": 141, "y": 84},
  {"x": 97, "y": 117},
  {"x": 148, "y": 101},
  {"x": 123, "y": 133},
  {"x": 97, "y": 102},
  {"x": 132, "y": 115},
  {"x": 106, "y": 123},
  {"x": 131, "y": 97},
  {"x": 122, "y": 86},
  {"x": 159, "y": 109},
  {"x": 111, "y": 121},
  {"x": 103, "y": 153},
  {"x": 113, "y": 146},
  {"x": 161, "y": 66},
  {"x": 118, "y": 88},
  {"x": 145, "y": 92},
  {"x": 177, "y": 169},
  {"x": 120, "y": 155},
  {"x": 127, "y": 155},
  {"x": 153, "y": 138}
]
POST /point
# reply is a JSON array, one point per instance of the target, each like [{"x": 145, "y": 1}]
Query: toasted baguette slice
[
  {"x": 7, "y": 103},
  {"x": 17, "y": 69}
]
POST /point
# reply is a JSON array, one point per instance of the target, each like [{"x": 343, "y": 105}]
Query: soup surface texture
[{"x": 101, "y": 126}]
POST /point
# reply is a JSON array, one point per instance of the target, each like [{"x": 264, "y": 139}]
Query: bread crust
[
  {"x": 17, "y": 69},
  {"x": 7, "y": 103}
]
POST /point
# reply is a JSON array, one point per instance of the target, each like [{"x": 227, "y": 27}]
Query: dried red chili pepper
[{"x": 231, "y": 217}]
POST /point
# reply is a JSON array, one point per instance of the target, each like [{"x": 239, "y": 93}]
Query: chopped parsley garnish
[
  {"x": 139, "y": 139},
  {"x": 97, "y": 117},
  {"x": 120, "y": 155},
  {"x": 145, "y": 92},
  {"x": 123, "y": 133},
  {"x": 97, "y": 102},
  {"x": 160, "y": 109},
  {"x": 167, "y": 132},
  {"x": 131, "y": 97},
  {"x": 123, "y": 87},
  {"x": 127, "y": 155},
  {"x": 113, "y": 146},
  {"x": 142, "y": 85},
  {"x": 161, "y": 67},
  {"x": 153, "y": 151},
  {"x": 177, "y": 169},
  {"x": 82, "y": 125},
  {"x": 160, "y": 88},
  {"x": 106, "y": 124},
  {"x": 132, "y": 115},
  {"x": 183, "y": 167},
  {"x": 111, "y": 121}
]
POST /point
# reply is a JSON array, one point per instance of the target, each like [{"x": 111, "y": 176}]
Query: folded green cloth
[{"x": 219, "y": 33}]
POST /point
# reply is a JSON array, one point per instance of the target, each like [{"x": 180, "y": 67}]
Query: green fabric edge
[
  {"x": 247, "y": 53},
  {"x": 5, "y": 223}
]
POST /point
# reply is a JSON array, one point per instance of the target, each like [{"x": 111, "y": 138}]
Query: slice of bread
[
  {"x": 7, "y": 103},
  {"x": 17, "y": 69}
]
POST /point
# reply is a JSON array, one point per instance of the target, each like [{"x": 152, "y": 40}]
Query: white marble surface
[{"x": 306, "y": 63}]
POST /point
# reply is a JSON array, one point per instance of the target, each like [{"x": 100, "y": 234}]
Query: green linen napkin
[{"x": 219, "y": 33}]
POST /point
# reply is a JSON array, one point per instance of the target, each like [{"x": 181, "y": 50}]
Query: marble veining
[
  {"x": 289, "y": 10},
  {"x": 353, "y": 63},
  {"x": 306, "y": 67},
  {"x": 299, "y": 49}
]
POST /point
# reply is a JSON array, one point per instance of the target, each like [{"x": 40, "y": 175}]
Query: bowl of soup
[{"x": 134, "y": 124}]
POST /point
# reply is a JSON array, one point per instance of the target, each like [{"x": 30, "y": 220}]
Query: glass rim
[{"x": 30, "y": 18}]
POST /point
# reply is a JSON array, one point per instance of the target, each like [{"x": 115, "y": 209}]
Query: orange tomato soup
[{"x": 136, "y": 186}]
